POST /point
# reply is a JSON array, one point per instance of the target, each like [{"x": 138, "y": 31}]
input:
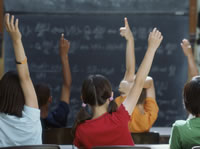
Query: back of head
[
  {"x": 11, "y": 95},
  {"x": 96, "y": 89},
  {"x": 142, "y": 97},
  {"x": 43, "y": 94},
  {"x": 192, "y": 96}
]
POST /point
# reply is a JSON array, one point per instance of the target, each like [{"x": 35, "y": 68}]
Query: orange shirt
[{"x": 142, "y": 122}]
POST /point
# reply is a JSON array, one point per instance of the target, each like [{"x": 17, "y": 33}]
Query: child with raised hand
[
  {"x": 146, "y": 110},
  {"x": 58, "y": 117},
  {"x": 19, "y": 114},
  {"x": 108, "y": 125},
  {"x": 185, "y": 133}
]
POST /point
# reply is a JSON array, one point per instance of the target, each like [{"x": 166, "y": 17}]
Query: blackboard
[
  {"x": 96, "y": 47},
  {"x": 62, "y": 6}
]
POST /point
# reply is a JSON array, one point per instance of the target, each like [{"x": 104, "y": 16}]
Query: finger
[
  {"x": 158, "y": 34},
  {"x": 126, "y": 22},
  {"x": 181, "y": 44},
  {"x": 121, "y": 34},
  {"x": 7, "y": 24},
  {"x": 161, "y": 38},
  {"x": 122, "y": 29},
  {"x": 16, "y": 24},
  {"x": 154, "y": 30},
  {"x": 12, "y": 22}
]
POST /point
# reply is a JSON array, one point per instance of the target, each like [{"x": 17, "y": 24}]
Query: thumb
[{"x": 126, "y": 22}]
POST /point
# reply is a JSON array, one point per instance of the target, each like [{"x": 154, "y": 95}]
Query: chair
[
  {"x": 196, "y": 147},
  {"x": 146, "y": 138},
  {"x": 120, "y": 147},
  {"x": 58, "y": 136},
  {"x": 44, "y": 146}
]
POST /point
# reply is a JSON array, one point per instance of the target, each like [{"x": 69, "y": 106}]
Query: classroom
[{"x": 99, "y": 74}]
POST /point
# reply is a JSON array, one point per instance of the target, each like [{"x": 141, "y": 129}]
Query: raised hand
[
  {"x": 125, "y": 31},
  {"x": 64, "y": 46},
  {"x": 154, "y": 40},
  {"x": 12, "y": 27},
  {"x": 187, "y": 48}
]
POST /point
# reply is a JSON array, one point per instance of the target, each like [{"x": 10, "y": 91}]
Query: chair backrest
[
  {"x": 120, "y": 147},
  {"x": 58, "y": 136},
  {"x": 196, "y": 147},
  {"x": 44, "y": 146},
  {"x": 146, "y": 138}
]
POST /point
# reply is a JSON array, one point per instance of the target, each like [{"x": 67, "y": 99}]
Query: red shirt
[{"x": 108, "y": 129}]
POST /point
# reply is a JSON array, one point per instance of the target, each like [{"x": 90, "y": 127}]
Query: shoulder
[
  {"x": 30, "y": 112},
  {"x": 180, "y": 123},
  {"x": 121, "y": 113},
  {"x": 179, "y": 126}
]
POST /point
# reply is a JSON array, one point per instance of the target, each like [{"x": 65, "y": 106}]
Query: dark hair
[
  {"x": 142, "y": 97},
  {"x": 191, "y": 96},
  {"x": 11, "y": 95},
  {"x": 43, "y": 94},
  {"x": 96, "y": 89}
]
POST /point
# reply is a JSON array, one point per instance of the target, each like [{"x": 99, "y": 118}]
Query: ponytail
[
  {"x": 112, "y": 107},
  {"x": 82, "y": 116}
]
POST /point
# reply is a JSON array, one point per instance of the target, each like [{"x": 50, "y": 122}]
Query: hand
[
  {"x": 64, "y": 46},
  {"x": 155, "y": 38},
  {"x": 187, "y": 48},
  {"x": 125, "y": 31},
  {"x": 12, "y": 28}
]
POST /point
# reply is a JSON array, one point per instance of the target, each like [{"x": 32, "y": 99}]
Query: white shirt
[{"x": 26, "y": 130}]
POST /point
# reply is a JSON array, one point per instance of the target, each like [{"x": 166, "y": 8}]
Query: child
[
  {"x": 58, "y": 117},
  {"x": 146, "y": 111},
  {"x": 185, "y": 134},
  {"x": 19, "y": 113},
  {"x": 108, "y": 125}
]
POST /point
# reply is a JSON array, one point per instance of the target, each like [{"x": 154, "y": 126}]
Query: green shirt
[{"x": 185, "y": 134}]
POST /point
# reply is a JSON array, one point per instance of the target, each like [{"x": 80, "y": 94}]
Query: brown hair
[
  {"x": 96, "y": 89},
  {"x": 191, "y": 96},
  {"x": 11, "y": 95},
  {"x": 43, "y": 94}
]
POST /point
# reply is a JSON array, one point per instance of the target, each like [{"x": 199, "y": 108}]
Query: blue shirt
[
  {"x": 25, "y": 130},
  {"x": 58, "y": 117}
]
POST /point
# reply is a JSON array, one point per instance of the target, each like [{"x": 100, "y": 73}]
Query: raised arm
[
  {"x": 130, "y": 52},
  {"x": 67, "y": 80},
  {"x": 187, "y": 50},
  {"x": 21, "y": 62},
  {"x": 154, "y": 41}
]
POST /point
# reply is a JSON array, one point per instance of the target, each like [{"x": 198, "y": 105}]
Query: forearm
[
  {"x": 66, "y": 71},
  {"x": 130, "y": 60},
  {"x": 145, "y": 67},
  {"x": 20, "y": 56},
  {"x": 192, "y": 68}
]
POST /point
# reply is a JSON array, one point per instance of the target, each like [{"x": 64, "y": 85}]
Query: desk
[
  {"x": 155, "y": 146},
  {"x": 152, "y": 146},
  {"x": 164, "y": 132}
]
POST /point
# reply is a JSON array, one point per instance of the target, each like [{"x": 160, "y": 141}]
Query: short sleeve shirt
[
  {"x": 185, "y": 134},
  {"x": 142, "y": 122},
  {"x": 108, "y": 129},
  {"x": 25, "y": 130}
]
